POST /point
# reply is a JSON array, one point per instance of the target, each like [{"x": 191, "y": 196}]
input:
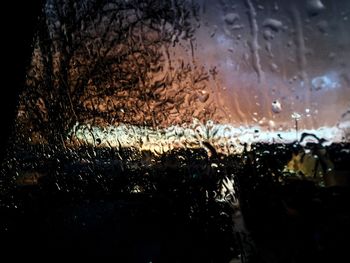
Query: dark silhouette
[{"x": 17, "y": 38}]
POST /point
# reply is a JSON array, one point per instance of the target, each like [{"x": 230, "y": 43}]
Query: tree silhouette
[{"x": 108, "y": 61}]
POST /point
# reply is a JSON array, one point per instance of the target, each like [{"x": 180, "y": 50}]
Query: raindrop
[
  {"x": 307, "y": 111},
  {"x": 213, "y": 32},
  {"x": 272, "y": 124},
  {"x": 273, "y": 24},
  {"x": 274, "y": 67},
  {"x": 276, "y": 106},
  {"x": 57, "y": 24},
  {"x": 231, "y": 18},
  {"x": 268, "y": 34},
  {"x": 254, "y": 41},
  {"x": 203, "y": 97},
  {"x": 322, "y": 26},
  {"x": 214, "y": 165},
  {"x": 314, "y": 7},
  {"x": 296, "y": 116}
]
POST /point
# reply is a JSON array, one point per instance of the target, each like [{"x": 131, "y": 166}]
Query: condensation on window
[{"x": 194, "y": 98}]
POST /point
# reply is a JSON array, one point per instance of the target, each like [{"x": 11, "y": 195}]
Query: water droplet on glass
[
  {"x": 273, "y": 24},
  {"x": 272, "y": 124},
  {"x": 276, "y": 106},
  {"x": 296, "y": 116},
  {"x": 323, "y": 26},
  {"x": 231, "y": 18},
  {"x": 274, "y": 68},
  {"x": 268, "y": 34},
  {"x": 213, "y": 31},
  {"x": 314, "y": 7}
]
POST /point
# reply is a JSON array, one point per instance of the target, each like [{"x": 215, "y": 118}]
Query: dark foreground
[{"x": 167, "y": 210}]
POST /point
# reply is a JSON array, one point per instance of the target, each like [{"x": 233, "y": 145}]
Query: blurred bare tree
[{"x": 108, "y": 61}]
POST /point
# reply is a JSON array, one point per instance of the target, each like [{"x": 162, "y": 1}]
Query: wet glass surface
[{"x": 183, "y": 131}]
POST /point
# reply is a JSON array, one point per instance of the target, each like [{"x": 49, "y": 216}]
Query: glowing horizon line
[{"x": 225, "y": 138}]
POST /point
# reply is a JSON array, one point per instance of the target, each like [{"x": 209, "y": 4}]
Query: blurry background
[{"x": 155, "y": 64}]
